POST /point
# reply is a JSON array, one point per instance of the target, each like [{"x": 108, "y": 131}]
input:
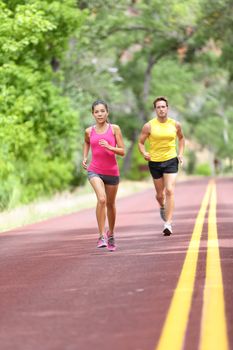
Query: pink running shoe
[
  {"x": 111, "y": 242},
  {"x": 101, "y": 242}
]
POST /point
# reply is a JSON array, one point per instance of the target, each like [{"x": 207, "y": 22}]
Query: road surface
[{"x": 59, "y": 292}]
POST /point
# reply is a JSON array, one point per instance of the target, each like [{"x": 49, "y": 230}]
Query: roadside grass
[{"x": 62, "y": 204}]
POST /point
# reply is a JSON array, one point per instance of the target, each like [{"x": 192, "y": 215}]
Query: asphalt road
[{"x": 58, "y": 291}]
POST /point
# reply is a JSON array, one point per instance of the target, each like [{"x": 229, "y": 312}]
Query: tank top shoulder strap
[
  {"x": 153, "y": 121},
  {"x": 92, "y": 130},
  {"x": 110, "y": 129},
  {"x": 172, "y": 121}
]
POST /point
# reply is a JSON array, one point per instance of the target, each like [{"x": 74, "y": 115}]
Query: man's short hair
[{"x": 160, "y": 98}]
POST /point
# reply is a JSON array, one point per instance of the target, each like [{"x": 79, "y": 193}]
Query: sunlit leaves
[{"x": 38, "y": 128}]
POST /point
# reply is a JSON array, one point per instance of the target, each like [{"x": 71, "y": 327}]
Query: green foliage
[
  {"x": 135, "y": 44},
  {"x": 211, "y": 119},
  {"x": 203, "y": 169},
  {"x": 190, "y": 162},
  {"x": 126, "y": 53},
  {"x": 178, "y": 84},
  {"x": 38, "y": 133},
  {"x": 217, "y": 17},
  {"x": 139, "y": 168}
]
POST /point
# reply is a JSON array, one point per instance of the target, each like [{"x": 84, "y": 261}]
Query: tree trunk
[
  {"x": 142, "y": 114},
  {"x": 147, "y": 79},
  {"x": 128, "y": 157}
]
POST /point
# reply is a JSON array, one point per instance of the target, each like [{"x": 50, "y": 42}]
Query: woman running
[{"x": 105, "y": 141}]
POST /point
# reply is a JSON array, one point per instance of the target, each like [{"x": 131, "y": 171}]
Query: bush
[
  {"x": 38, "y": 127},
  {"x": 139, "y": 168},
  {"x": 203, "y": 169},
  {"x": 191, "y": 161}
]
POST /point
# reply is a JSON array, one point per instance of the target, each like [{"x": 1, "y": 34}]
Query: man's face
[{"x": 161, "y": 109}]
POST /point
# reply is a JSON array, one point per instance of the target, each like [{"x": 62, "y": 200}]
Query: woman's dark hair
[
  {"x": 99, "y": 102},
  {"x": 160, "y": 98}
]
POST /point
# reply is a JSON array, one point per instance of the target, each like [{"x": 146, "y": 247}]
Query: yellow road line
[
  {"x": 214, "y": 327},
  {"x": 173, "y": 333}
]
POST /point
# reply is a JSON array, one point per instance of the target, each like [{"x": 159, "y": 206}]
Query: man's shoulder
[
  {"x": 151, "y": 121},
  {"x": 173, "y": 121},
  {"x": 147, "y": 125}
]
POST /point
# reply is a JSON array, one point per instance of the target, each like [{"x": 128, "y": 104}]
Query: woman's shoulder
[
  {"x": 88, "y": 129},
  {"x": 115, "y": 128}
]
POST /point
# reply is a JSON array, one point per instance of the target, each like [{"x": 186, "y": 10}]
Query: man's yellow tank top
[{"x": 162, "y": 140}]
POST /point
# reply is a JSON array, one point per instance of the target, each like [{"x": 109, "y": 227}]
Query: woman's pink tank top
[{"x": 103, "y": 161}]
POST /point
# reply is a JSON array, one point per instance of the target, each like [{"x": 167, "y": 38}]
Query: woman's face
[{"x": 100, "y": 113}]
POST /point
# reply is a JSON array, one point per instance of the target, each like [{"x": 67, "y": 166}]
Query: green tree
[
  {"x": 38, "y": 127},
  {"x": 117, "y": 55},
  {"x": 210, "y": 53}
]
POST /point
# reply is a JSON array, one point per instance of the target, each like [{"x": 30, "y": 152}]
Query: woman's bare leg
[
  {"x": 111, "y": 192},
  {"x": 99, "y": 189}
]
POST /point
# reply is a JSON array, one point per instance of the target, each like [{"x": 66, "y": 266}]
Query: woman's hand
[
  {"x": 105, "y": 144},
  {"x": 84, "y": 163}
]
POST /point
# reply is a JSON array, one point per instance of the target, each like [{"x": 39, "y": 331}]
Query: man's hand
[
  {"x": 181, "y": 159},
  {"x": 146, "y": 156}
]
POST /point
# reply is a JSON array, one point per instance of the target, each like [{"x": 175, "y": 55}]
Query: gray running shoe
[
  {"x": 101, "y": 242},
  {"x": 111, "y": 243},
  {"x": 167, "y": 230},
  {"x": 162, "y": 212}
]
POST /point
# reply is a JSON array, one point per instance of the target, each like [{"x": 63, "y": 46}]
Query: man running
[{"x": 162, "y": 157}]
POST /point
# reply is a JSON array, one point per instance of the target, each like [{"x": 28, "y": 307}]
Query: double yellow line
[{"x": 213, "y": 324}]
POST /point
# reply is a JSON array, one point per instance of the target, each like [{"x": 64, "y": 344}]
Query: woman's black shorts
[
  {"x": 157, "y": 169},
  {"x": 107, "y": 179}
]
